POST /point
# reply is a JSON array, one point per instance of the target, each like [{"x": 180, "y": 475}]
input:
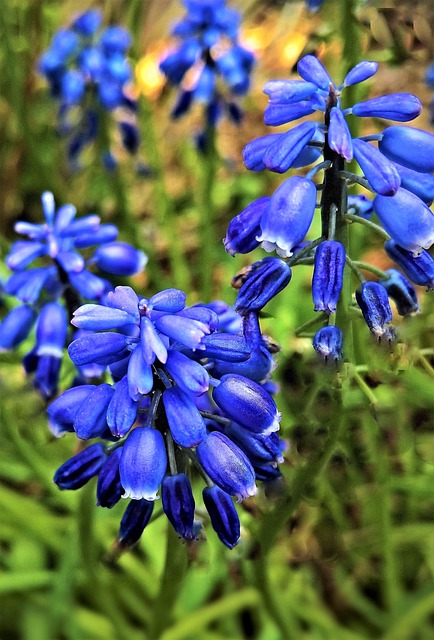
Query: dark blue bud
[
  {"x": 109, "y": 489},
  {"x": 143, "y": 463},
  {"x": 261, "y": 282},
  {"x": 227, "y": 465},
  {"x": 77, "y": 471},
  {"x": 267, "y": 473},
  {"x": 47, "y": 375},
  {"x": 223, "y": 515},
  {"x": 328, "y": 342},
  {"x": 178, "y": 504},
  {"x": 411, "y": 147},
  {"x": 246, "y": 402},
  {"x": 16, "y": 326},
  {"x": 130, "y": 136},
  {"x": 133, "y": 523},
  {"x": 260, "y": 449},
  {"x": 182, "y": 104},
  {"x": 401, "y": 107},
  {"x": 328, "y": 273},
  {"x": 245, "y": 227},
  {"x": 419, "y": 269},
  {"x": 226, "y": 347},
  {"x": 115, "y": 40},
  {"x": 401, "y": 291},
  {"x": 374, "y": 303},
  {"x": 120, "y": 258},
  {"x": 185, "y": 422}
]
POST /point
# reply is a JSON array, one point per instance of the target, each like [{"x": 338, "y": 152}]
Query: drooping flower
[
  {"x": 209, "y": 65},
  {"x": 88, "y": 73},
  {"x": 160, "y": 407},
  {"x": 51, "y": 290}
]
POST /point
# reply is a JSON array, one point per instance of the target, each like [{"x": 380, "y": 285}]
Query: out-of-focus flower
[{"x": 89, "y": 75}]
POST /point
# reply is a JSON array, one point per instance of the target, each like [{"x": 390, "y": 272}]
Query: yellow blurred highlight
[
  {"x": 149, "y": 78},
  {"x": 292, "y": 50}
]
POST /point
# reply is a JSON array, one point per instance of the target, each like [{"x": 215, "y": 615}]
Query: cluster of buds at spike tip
[
  {"x": 396, "y": 167},
  {"x": 167, "y": 412}
]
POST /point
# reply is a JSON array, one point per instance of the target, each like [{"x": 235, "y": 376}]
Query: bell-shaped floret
[
  {"x": 406, "y": 219},
  {"x": 247, "y": 403},
  {"x": 411, "y": 147},
  {"x": 90, "y": 420},
  {"x": 328, "y": 342},
  {"x": 119, "y": 259},
  {"x": 227, "y": 465},
  {"x": 16, "y": 326},
  {"x": 143, "y": 463},
  {"x": 185, "y": 422},
  {"x": 109, "y": 489},
  {"x": 419, "y": 269},
  {"x": 178, "y": 504},
  {"x": 122, "y": 410},
  {"x": 133, "y": 523},
  {"x": 223, "y": 514},
  {"x": 263, "y": 280},
  {"x": 77, "y": 471},
  {"x": 289, "y": 215},
  {"x": 245, "y": 227},
  {"x": 401, "y": 291},
  {"x": 328, "y": 273},
  {"x": 188, "y": 374},
  {"x": 374, "y": 303}
]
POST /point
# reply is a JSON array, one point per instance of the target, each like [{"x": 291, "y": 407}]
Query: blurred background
[{"x": 353, "y": 555}]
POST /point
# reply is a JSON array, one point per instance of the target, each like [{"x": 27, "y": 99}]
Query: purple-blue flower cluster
[
  {"x": 185, "y": 394},
  {"x": 49, "y": 292},
  {"x": 88, "y": 74},
  {"x": 209, "y": 51},
  {"x": 398, "y": 172}
]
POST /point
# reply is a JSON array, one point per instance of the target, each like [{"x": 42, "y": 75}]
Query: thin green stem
[
  {"x": 307, "y": 249},
  {"x": 206, "y": 221},
  {"x": 354, "y": 269},
  {"x": 367, "y": 223},
  {"x": 310, "y": 323},
  {"x": 369, "y": 267},
  {"x": 171, "y": 583}
]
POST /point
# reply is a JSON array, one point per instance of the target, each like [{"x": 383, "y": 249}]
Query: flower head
[{"x": 87, "y": 71}]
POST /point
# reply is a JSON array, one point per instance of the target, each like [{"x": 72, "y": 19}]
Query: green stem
[
  {"x": 170, "y": 584},
  {"x": 206, "y": 220},
  {"x": 369, "y": 267},
  {"x": 367, "y": 223},
  {"x": 162, "y": 203}
]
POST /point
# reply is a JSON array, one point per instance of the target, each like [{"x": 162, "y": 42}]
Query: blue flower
[
  {"x": 374, "y": 303},
  {"x": 396, "y": 167},
  {"x": 209, "y": 51},
  {"x": 260, "y": 283},
  {"x": 159, "y": 406},
  {"x": 77, "y": 471},
  {"x": 87, "y": 68},
  {"x": 328, "y": 342},
  {"x": 401, "y": 291},
  {"x": 224, "y": 517},
  {"x": 328, "y": 272},
  {"x": 51, "y": 292},
  {"x": 419, "y": 269}
]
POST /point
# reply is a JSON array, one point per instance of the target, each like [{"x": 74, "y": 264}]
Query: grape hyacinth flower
[
  {"x": 166, "y": 411},
  {"x": 89, "y": 75},
  {"x": 396, "y": 167},
  {"x": 51, "y": 291},
  {"x": 209, "y": 51}
]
